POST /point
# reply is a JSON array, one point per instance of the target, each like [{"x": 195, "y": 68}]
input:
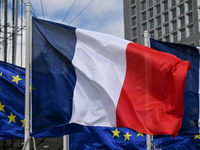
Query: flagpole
[
  {"x": 27, "y": 77},
  {"x": 66, "y": 142},
  {"x": 148, "y": 137},
  {"x": 15, "y": 35}
]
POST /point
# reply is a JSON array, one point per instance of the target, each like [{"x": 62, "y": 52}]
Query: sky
[
  {"x": 105, "y": 16},
  {"x": 100, "y": 15}
]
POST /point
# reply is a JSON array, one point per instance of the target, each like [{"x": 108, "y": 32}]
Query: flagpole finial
[{"x": 146, "y": 34}]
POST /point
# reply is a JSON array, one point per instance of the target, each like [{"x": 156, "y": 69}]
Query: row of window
[
  {"x": 182, "y": 21},
  {"x": 174, "y": 11},
  {"x": 183, "y": 33},
  {"x": 166, "y": 3}
]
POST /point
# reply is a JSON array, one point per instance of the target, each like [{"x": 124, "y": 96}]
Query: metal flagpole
[
  {"x": 148, "y": 137},
  {"x": 66, "y": 142},
  {"x": 5, "y": 29},
  {"x": 21, "y": 28},
  {"x": 15, "y": 37},
  {"x": 13, "y": 29},
  {"x": 27, "y": 77}
]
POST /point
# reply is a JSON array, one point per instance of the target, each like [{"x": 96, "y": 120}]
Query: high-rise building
[{"x": 167, "y": 20}]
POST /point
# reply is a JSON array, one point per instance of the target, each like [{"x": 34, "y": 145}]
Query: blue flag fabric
[
  {"x": 107, "y": 138},
  {"x": 53, "y": 78},
  {"x": 12, "y": 92},
  {"x": 12, "y": 105},
  {"x": 185, "y": 142},
  {"x": 188, "y": 136}
]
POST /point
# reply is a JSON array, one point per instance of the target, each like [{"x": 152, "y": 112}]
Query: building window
[
  {"x": 152, "y": 35},
  {"x": 134, "y": 33},
  {"x": 157, "y": 1},
  {"x": 151, "y": 13},
  {"x": 175, "y": 37},
  {"x": 167, "y": 39},
  {"x": 134, "y": 21},
  {"x": 189, "y": 6},
  {"x": 174, "y": 24},
  {"x": 159, "y": 21},
  {"x": 144, "y": 5},
  {"x": 182, "y": 34},
  {"x": 150, "y": 2},
  {"x": 173, "y": 2},
  {"x": 166, "y": 29},
  {"x": 191, "y": 30},
  {"x": 190, "y": 18},
  {"x": 134, "y": 10},
  {"x": 181, "y": 1},
  {"x": 151, "y": 24},
  {"x": 135, "y": 40},
  {"x": 144, "y": 27},
  {"x": 159, "y": 32},
  {"x": 144, "y": 16},
  {"x": 166, "y": 17},
  {"x": 182, "y": 10},
  {"x": 173, "y": 13},
  {"x": 165, "y": 5},
  {"x": 133, "y": 1},
  {"x": 192, "y": 44},
  {"x": 158, "y": 9},
  {"x": 182, "y": 22}
]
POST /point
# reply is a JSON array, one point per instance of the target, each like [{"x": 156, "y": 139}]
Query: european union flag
[
  {"x": 184, "y": 142},
  {"x": 189, "y": 132},
  {"x": 107, "y": 138},
  {"x": 12, "y": 92}
]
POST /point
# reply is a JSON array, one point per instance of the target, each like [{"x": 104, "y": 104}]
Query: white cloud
[{"x": 101, "y": 15}]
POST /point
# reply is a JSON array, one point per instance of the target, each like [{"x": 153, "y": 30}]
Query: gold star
[
  {"x": 11, "y": 117},
  {"x": 16, "y": 79},
  {"x": 1, "y": 107},
  {"x": 127, "y": 135},
  {"x": 192, "y": 123},
  {"x": 116, "y": 133},
  {"x": 31, "y": 88},
  {"x": 195, "y": 110},
  {"x": 23, "y": 123},
  {"x": 139, "y": 133},
  {"x": 138, "y": 87},
  {"x": 197, "y": 137},
  {"x": 1, "y": 74}
]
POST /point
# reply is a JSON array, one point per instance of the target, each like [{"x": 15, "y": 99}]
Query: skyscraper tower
[{"x": 167, "y": 20}]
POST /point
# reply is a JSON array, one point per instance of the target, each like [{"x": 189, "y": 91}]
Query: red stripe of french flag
[{"x": 151, "y": 99}]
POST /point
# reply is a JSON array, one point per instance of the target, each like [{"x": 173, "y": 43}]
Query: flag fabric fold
[
  {"x": 188, "y": 136},
  {"x": 107, "y": 138},
  {"x": 184, "y": 142},
  {"x": 191, "y": 92},
  {"x": 12, "y": 90},
  {"x": 95, "y": 79}
]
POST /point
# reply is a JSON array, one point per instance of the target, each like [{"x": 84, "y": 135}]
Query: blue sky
[{"x": 101, "y": 15}]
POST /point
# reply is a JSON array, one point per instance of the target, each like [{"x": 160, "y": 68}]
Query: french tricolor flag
[{"x": 94, "y": 79}]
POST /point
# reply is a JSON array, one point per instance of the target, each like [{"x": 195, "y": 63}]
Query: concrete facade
[{"x": 166, "y": 20}]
